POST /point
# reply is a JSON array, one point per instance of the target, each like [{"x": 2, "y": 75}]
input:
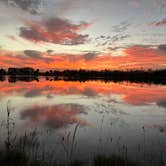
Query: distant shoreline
[
  {"x": 140, "y": 76},
  {"x": 153, "y": 77}
]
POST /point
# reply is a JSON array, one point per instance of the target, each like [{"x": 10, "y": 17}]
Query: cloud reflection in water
[{"x": 56, "y": 116}]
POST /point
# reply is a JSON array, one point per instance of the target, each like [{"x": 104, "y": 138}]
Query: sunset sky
[{"x": 86, "y": 34}]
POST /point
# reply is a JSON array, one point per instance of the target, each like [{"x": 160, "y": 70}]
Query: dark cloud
[
  {"x": 30, "y": 34},
  {"x": 33, "y": 93},
  {"x": 80, "y": 39},
  {"x": 115, "y": 48},
  {"x": 56, "y": 116},
  {"x": 159, "y": 23},
  {"x": 37, "y": 55},
  {"x": 31, "y": 6},
  {"x": 89, "y": 92},
  {"x": 162, "y": 103},
  {"x": 115, "y": 39},
  {"x": 111, "y": 40},
  {"x": 162, "y": 47},
  {"x": 55, "y": 30},
  {"x": 89, "y": 56},
  {"x": 86, "y": 56},
  {"x": 119, "y": 37},
  {"x": 33, "y": 53},
  {"x": 50, "y": 51},
  {"x": 50, "y": 96},
  {"x": 123, "y": 26}
]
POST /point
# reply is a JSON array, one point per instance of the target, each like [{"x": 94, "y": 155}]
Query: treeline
[
  {"x": 19, "y": 71},
  {"x": 83, "y": 73},
  {"x": 30, "y": 74}
]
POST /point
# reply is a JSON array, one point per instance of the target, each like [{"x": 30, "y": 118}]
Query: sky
[{"x": 83, "y": 34}]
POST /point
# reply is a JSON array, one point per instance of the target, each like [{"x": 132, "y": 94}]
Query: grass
[
  {"x": 69, "y": 144},
  {"x": 113, "y": 160},
  {"x": 26, "y": 150},
  {"x": 16, "y": 158}
]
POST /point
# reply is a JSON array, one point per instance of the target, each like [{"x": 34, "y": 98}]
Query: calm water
[{"x": 113, "y": 118}]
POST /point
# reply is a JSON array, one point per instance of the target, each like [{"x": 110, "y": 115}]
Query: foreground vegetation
[
  {"x": 26, "y": 150},
  {"x": 16, "y": 158}
]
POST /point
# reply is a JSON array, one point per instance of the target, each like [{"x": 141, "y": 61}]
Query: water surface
[{"x": 112, "y": 118}]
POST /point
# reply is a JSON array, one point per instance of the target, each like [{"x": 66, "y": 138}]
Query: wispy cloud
[
  {"x": 123, "y": 26},
  {"x": 111, "y": 41}
]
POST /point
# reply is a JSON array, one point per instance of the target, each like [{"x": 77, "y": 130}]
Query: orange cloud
[
  {"x": 134, "y": 57},
  {"x": 54, "y": 30}
]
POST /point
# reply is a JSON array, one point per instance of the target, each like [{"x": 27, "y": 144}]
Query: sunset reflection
[
  {"x": 131, "y": 93},
  {"x": 56, "y": 116}
]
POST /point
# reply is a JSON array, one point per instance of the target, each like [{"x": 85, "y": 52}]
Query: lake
[{"x": 80, "y": 120}]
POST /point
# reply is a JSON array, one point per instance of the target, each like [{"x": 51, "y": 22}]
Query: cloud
[
  {"x": 123, "y": 26},
  {"x": 38, "y": 55},
  {"x": 89, "y": 92},
  {"x": 89, "y": 56},
  {"x": 56, "y": 116},
  {"x": 119, "y": 37},
  {"x": 162, "y": 103},
  {"x": 111, "y": 40},
  {"x": 55, "y": 30},
  {"x": 33, "y": 53},
  {"x": 50, "y": 51},
  {"x": 31, "y": 6},
  {"x": 132, "y": 57},
  {"x": 33, "y": 93},
  {"x": 115, "y": 48},
  {"x": 162, "y": 47},
  {"x": 159, "y": 23},
  {"x": 29, "y": 34}
]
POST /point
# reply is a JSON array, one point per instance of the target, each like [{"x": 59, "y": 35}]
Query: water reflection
[
  {"x": 131, "y": 93},
  {"x": 56, "y": 116},
  {"x": 112, "y": 117}
]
